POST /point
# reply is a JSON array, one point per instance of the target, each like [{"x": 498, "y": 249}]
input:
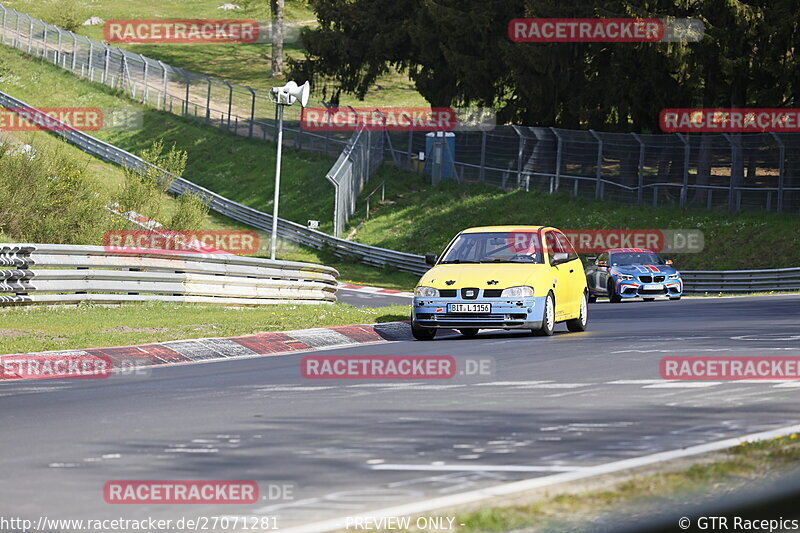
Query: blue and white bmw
[{"x": 627, "y": 273}]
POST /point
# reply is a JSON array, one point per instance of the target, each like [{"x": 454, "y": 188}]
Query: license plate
[
  {"x": 654, "y": 287},
  {"x": 470, "y": 308}
]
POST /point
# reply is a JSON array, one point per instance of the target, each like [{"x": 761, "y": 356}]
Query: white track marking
[
  {"x": 505, "y": 489},
  {"x": 478, "y": 468},
  {"x": 683, "y": 385}
]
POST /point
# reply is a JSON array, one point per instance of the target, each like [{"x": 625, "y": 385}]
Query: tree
[
  {"x": 456, "y": 52},
  {"x": 276, "y": 8}
]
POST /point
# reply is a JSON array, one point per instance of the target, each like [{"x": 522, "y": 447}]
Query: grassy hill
[{"x": 416, "y": 217}]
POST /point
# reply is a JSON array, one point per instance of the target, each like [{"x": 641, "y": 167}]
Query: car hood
[
  {"x": 638, "y": 270},
  {"x": 486, "y": 276}
]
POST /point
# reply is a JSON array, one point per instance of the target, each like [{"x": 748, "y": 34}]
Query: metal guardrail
[
  {"x": 741, "y": 281},
  {"x": 68, "y": 274},
  {"x": 292, "y": 231},
  {"x": 696, "y": 282}
]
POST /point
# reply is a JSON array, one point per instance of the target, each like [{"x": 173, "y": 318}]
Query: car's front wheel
[
  {"x": 579, "y": 324},
  {"x": 422, "y": 334},
  {"x": 548, "y": 318},
  {"x": 613, "y": 297}
]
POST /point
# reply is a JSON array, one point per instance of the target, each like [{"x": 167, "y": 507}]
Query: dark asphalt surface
[
  {"x": 372, "y": 300},
  {"x": 565, "y": 402}
]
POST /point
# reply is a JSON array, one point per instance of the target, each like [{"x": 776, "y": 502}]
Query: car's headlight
[
  {"x": 625, "y": 277},
  {"x": 517, "y": 292},
  {"x": 675, "y": 276},
  {"x": 426, "y": 292}
]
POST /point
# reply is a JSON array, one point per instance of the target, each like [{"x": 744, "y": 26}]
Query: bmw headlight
[
  {"x": 675, "y": 276},
  {"x": 426, "y": 292},
  {"x": 517, "y": 292},
  {"x": 625, "y": 277}
]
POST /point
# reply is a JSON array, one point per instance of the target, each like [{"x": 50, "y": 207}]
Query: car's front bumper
[
  {"x": 635, "y": 289},
  {"x": 506, "y": 313}
]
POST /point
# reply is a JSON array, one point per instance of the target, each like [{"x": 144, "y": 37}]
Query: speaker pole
[{"x": 277, "y": 183}]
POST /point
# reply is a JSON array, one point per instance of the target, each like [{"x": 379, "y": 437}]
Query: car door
[
  {"x": 561, "y": 275},
  {"x": 601, "y": 272},
  {"x": 576, "y": 279}
]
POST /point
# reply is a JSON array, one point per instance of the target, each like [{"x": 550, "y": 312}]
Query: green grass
[
  {"x": 641, "y": 496},
  {"x": 246, "y": 64},
  {"x": 419, "y": 218},
  {"x": 29, "y": 329}
]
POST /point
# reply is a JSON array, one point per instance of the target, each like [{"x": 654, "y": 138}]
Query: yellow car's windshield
[{"x": 495, "y": 247}]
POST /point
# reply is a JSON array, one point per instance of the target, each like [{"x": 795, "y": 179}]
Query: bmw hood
[{"x": 644, "y": 270}]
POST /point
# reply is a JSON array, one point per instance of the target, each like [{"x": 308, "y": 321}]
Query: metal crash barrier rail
[{"x": 69, "y": 274}]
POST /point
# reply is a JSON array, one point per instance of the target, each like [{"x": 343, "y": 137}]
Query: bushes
[
  {"x": 47, "y": 198},
  {"x": 146, "y": 192}
]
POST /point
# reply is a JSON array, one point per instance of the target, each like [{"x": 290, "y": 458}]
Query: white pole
[{"x": 277, "y": 183}]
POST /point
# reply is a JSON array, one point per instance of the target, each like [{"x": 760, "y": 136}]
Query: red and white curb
[
  {"x": 261, "y": 344},
  {"x": 375, "y": 290}
]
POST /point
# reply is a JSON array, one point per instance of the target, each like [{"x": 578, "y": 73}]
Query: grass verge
[
  {"x": 639, "y": 496},
  {"x": 419, "y": 218},
  {"x": 33, "y": 329}
]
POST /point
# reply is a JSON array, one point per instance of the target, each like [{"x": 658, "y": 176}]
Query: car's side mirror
[
  {"x": 560, "y": 257},
  {"x": 430, "y": 259},
  {"x": 669, "y": 261},
  {"x": 602, "y": 263}
]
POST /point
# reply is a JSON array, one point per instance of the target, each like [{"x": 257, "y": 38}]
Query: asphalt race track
[{"x": 551, "y": 405}]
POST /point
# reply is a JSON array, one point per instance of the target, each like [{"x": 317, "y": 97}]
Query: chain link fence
[
  {"x": 361, "y": 157},
  {"x": 724, "y": 171},
  {"x": 733, "y": 172}
]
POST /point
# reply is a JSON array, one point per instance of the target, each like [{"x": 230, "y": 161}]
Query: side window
[
  {"x": 553, "y": 246},
  {"x": 566, "y": 246}
]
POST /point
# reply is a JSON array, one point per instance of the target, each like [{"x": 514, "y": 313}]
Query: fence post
[
  {"x": 165, "y": 79},
  {"x": 734, "y": 164},
  {"x": 520, "y": 150},
  {"x": 15, "y": 42},
  {"x": 598, "y": 181},
  {"x": 253, "y": 111},
  {"x": 782, "y": 155},
  {"x": 186, "y": 99},
  {"x": 3, "y": 34},
  {"x": 640, "y": 187},
  {"x": 30, "y": 34},
  {"x": 482, "y": 175},
  {"x": 208, "y": 98},
  {"x": 230, "y": 101},
  {"x": 58, "y": 45},
  {"x": 74, "y": 51},
  {"x": 410, "y": 146},
  {"x": 554, "y": 186},
  {"x": 89, "y": 59},
  {"x": 106, "y": 58},
  {"x": 685, "y": 186}
]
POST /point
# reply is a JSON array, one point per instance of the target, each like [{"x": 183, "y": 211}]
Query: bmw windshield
[
  {"x": 636, "y": 258},
  {"x": 495, "y": 247}
]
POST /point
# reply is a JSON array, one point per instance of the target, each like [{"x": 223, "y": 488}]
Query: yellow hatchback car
[{"x": 502, "y": 277}]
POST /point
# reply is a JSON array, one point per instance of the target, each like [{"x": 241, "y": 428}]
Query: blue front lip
[{"x": 524, "y": 313}]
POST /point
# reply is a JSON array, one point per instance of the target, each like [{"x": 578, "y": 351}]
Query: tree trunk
[{"x": 276, "y": 10}]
